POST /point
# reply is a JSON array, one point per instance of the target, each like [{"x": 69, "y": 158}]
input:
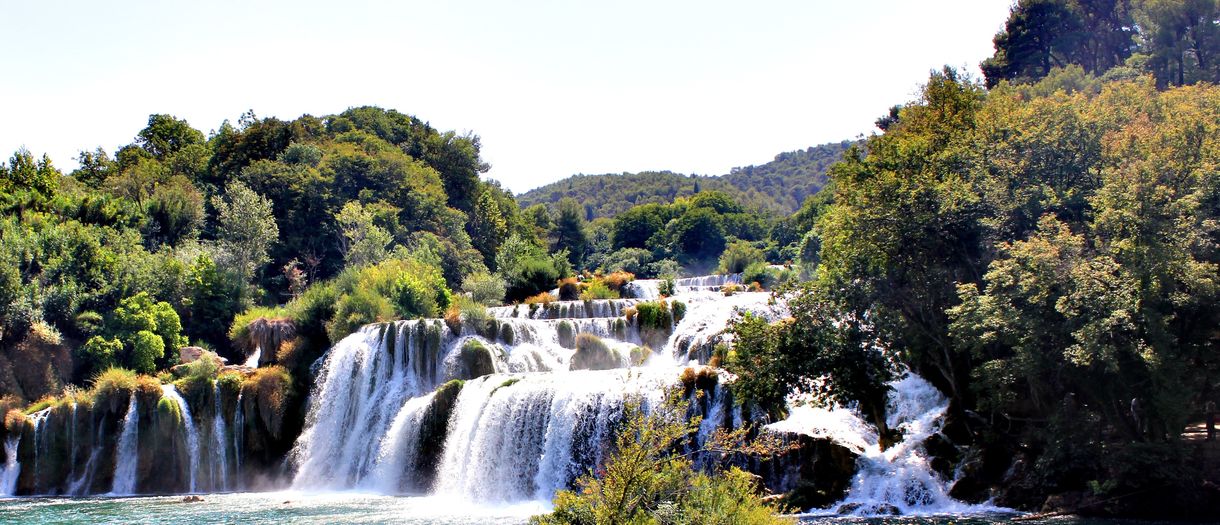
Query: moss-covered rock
[
  {"x": 474, "y": 359},
  {"x": 432, "y": 430},
  {"x": 593, "y": 354},
  {"x": 567, "y": 334}
]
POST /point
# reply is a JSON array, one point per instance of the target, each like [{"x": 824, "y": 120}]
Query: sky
[{"x": 553, "y": 88}]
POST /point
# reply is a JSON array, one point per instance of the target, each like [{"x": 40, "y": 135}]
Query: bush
[
  {"x": 759, "y": 272},
  {"x": 99, "y": 353},
  {"x": 654, "y": 315},
  {"x": 616, "y": 280},
  {"x": 593, "y": 354},
  {"x": 270, "y": 388},
  {"x": 632, "y": 260},
  {"x": 569, "y": 289},
  {"x": 361, "y": 307},
  {"x": 567, "y": 334},
  {"x": 666, "y": 287},
  {"x": 598, "y": 289},
  {"x": 542, "y": 298},
  {"x": 738, "y": 255},
  {"x": 485, "y": 288}
]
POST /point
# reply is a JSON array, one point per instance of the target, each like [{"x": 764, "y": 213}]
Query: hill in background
[{"x": 779, "y": 186}]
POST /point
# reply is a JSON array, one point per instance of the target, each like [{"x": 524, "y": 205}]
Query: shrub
[
  {"x": 270, "y": 388},
  {"x": 654, "y": 315},
  {"x": 759, "y": 272},
  {"x": 567, "y": 334},
  {"x": 593, "y": 354},
  {"x": 99, "y": 353},
  {"x": 678, "y": 310},
  {"x": 114, "y": 382},
  {"x": 542, "y": 298},
  {"x": 598, "y": 289},
  {"x": 15, "y": 421},
  {"x": 633, "y": 260},
  {"x": 485, "y": 288},
  {"x": 362, "y": 306},
  {"x": 616, "y": 280},
  {"x": 730, "y": 289},
  {"x": 666, "y": 287},
  {"x": 739, "y": 255},
  {"x": 569, "y": 289}
]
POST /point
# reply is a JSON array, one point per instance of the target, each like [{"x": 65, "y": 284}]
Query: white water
[
  {"x": 192, "y": 434},
  {"x": 126, "y": 454},
  {"x": 239, "y": 425},
  {"x": 220, "y": 432},
  {"x": 504, "y": 443},
  {"x": 12, "y": 468},
  {"x": 39, "y": 419},
  {"x": 899, "y": 477},
  {"x": 252, "y": 361}
]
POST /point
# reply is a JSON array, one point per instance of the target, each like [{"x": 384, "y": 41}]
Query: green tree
[
  {"x": 166, "y": 135},
  {"x": 569, "y": 232},
  {"x": 23, "y": 173},
  {"x": 246, "y": 228},
  {"x": 363, "y": 242}
]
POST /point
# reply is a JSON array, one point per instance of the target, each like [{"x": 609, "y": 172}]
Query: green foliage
[
  {"x": 778, "y": 186},
  {"x": 1175, "y": 41},
  {"x": 246, "y": 228},
  {"x": 593, "y": 354},
  {"x": 666, "y": 287},
  {"x": 739, "y": 255},
  {"x": 597, "y": 289},
  {"x": 486, "y": 289},
  {"x": 363, "y": 242},
  {"x": 642, "y": 483}
]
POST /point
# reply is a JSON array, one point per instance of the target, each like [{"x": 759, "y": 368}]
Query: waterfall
[
  {"x": 239, "y": 426},
  {"x": 126, "y": 454},
  {"x": 896, "y": 479},
  {"x": 12, "y": 468},
  {"x": 192, "y": 434},
  {"x": 40, "y": 419},
  {"x": 80, "y": 485},
  {"x": 252, "y": 361},
  {"x": 526, "y": 439},
  {"x": 365, "y": 382},
  {"x": 396, "y": 456},
  {"x": 219, "y": 439}
]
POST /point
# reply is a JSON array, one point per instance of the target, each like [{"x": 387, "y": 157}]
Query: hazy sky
[{"x": 552, "y": 87}]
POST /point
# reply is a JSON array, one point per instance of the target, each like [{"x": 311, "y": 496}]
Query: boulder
[{"x": 189, "y": 354}]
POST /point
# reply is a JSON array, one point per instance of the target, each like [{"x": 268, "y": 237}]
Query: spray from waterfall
[{"x": 12, "y": 468}]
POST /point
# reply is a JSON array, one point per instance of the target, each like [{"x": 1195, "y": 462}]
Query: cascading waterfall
[
  {"x": 220, "y": 468},
  {"x": 126, "y": 454},
  {"x": 519, "y": 434},
  {"x": 530, "y": 438},
  {"x": 365, "y": 382},
  {"x": 12, "y": 468},
  {"x": 192, "y": 434},
  {"x": 900, "y": 478},
  {"x": 80, "y": 485}
]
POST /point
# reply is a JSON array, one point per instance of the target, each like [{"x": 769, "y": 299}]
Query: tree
[
  {"x": 362, "y": 242},
  {"x": 488, "y": 226},
  {"x": 166, "y": 135},
  {"x": 697, "y": 235},
  {"x": 569, "y": 233},
  {"x": 23, "y": 173},
  {"x": 634, "y": 227},
  {"x": 246, "y": 228}
]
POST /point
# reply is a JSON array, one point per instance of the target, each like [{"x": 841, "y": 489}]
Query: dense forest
[
  {"x": 779, "y": 186},
  {"x": 1041, "y": 244}
]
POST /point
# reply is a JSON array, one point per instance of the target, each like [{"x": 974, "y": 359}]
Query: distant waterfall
[
  {"x": 12, "y": 468},
  {"x": 126, "y": 453}
]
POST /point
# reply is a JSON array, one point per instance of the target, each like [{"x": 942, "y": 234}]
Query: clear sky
[{"x": 552, "y": 87}]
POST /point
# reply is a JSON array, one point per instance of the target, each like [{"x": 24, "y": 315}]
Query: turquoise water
[
  {"x": 267, "y": 507},
  {"x": 304, "y": 508}
]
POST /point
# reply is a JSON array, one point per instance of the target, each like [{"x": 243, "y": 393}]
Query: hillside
[{"x": 780, "y": 185}]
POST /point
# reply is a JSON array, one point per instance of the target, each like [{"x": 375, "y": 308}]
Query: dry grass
[{"x": 542, "y": 298}]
